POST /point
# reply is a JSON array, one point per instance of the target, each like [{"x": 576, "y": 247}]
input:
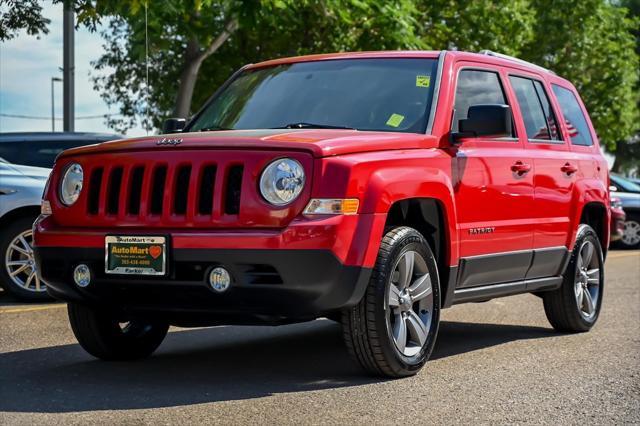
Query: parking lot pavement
[{"x": 495, "y": 362}]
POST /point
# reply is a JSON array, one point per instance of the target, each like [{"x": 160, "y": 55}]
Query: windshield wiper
[
  {"x": 303, "y": 125},
  {"x": 213, "y": 128}
]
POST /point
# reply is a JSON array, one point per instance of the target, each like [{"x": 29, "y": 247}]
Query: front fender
[{"x": 381, "y": 179}]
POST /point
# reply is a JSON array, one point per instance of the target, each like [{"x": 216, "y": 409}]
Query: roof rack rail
[{"x": 514, "y": 59}]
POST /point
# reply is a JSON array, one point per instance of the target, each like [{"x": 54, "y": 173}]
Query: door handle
[
  {"x": 520, "y": 168},
  {"x": 569, "y": 169}
]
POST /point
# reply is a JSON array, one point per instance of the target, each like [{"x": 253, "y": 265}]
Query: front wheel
[
  {"x": 393, "y": 329},
  {"x": 575, "y": 306},
  {"x": 108, "y": 338}
]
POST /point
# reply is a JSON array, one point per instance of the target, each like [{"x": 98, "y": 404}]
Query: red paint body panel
[{"x": 472, "y": 181}]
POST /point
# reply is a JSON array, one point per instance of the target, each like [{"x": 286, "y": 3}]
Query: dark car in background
[
  {"x": 25, "y": 163},
  {"x": 40, "y": 149},
  {"x": 629, "y": 194}
]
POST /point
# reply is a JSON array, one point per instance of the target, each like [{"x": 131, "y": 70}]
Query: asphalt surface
[{"x": 495, "y": 362}]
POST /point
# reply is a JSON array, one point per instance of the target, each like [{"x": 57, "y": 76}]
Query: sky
[{"x": 27, "y": 64}]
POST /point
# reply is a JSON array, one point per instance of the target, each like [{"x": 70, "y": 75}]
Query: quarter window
[
  {"x": 476, "y": 87},
  {"x": 535, "y": 108},
  {"x": 574, "y": 117}
]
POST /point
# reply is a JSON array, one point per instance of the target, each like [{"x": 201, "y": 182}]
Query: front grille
[
  {"x": 165, "y": 190},
  {"x": 172, "y": 189}
]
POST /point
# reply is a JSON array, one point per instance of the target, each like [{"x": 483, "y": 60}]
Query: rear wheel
[
  {"x": 108, "y": 338},
  {"x": 575, "y": 306},
  {"x": 393, "y": 329}
]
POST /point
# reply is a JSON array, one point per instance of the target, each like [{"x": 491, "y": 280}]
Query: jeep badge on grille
[{"x": 169, "y": 141}]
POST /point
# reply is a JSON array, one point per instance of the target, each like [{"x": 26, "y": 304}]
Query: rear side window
[
  {"x": 476, "y": 87},
  {"x": 574, "y": 117},
  {"x": 537, "y": 114}
]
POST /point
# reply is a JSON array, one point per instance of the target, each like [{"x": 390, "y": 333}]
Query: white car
[{"x": 21, "y": 189}]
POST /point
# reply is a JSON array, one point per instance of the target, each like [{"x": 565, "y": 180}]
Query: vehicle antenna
[{"x": 146, "y": 58}]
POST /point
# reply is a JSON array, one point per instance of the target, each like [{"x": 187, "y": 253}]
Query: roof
[{"x": 483, "y": 56}]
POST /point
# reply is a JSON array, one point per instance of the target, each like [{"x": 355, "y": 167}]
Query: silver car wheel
[
  {"x": 20, "y": 263},
  {"x": 587, "y": 281},
  {"x": 409, "y": 304},
  {"x": 631, "y": 233}
]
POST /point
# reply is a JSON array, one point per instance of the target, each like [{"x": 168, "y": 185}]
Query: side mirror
[
  {"x": 613, "y": 189},
  {"x": 174, "y": 125},
  {"x": 486, "y": 120}
]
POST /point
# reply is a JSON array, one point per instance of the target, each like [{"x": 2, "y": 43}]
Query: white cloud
[{"x": 26, "y": 67}]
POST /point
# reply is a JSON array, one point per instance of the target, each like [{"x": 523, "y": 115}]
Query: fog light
[
  {"x": 219, "y": 279},
  {"x": 82, "y": 275}
]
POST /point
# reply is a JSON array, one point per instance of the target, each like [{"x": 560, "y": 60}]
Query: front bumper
[{"x": 307, "y": 270}]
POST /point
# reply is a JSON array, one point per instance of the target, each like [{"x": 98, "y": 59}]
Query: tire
[
  {"x": 103, "y": 336},
  {"x": 575, "y": 306},
  {"x": 18, "y": 274},
  {"x": 370, "y": 326},
  {"x": 631, "y": 236}
]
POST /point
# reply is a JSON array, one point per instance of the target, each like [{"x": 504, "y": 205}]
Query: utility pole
[{"x": 68, "y": 70}]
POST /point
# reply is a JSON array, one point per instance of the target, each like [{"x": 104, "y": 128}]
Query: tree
[
  {"x": 590, "y": 43},
  {"x": 501, "y": 25},
  {"x": 19, "y": 15}
]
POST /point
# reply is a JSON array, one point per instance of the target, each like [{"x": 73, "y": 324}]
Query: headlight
[
  {"x": 282, "y": 181},
  {"x": 71, "y": 184}
]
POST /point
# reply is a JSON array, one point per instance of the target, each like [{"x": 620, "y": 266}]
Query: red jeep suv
[{"x": 372, "y": 188}]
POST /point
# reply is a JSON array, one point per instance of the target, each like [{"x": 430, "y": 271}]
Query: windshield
[{"x": 364, "y": 94}]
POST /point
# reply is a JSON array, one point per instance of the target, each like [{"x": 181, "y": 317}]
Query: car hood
[
  {"x": 37, "y": 173},
  {"x": 320, "y": 142}
]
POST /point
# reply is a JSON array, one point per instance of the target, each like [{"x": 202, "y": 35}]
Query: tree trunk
[{"x": 192, "y": 63}]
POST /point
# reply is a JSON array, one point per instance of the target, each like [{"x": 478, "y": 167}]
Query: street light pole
[
  {"x": 68, "y": 118},
  {"x": 53, "y": 104}
]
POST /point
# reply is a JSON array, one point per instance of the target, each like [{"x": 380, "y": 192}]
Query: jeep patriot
[{"x": 371, "y": 188}]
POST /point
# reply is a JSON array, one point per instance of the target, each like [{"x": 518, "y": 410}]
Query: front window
[{"x": 364, "y": 94}]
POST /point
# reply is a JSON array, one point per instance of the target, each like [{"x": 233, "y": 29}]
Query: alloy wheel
[
  {"x": 587, "y": 281},
  {"x": 20, "y": 263},
  {"x": 410, "y": 303},
  {"x": 631, "y": 233}
]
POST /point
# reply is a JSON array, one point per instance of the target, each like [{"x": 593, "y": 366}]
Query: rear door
[
  {"x": 556, "y": 167},
  {"x": 493, "y": 189}
]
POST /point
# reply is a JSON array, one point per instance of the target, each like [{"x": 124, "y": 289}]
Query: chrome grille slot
[
  {"x": 95, "y": 181},
  {"x": 181, "y": 189},
  {"x": 233, "y": 189},
  {"x": 157, "y": 190},
  {"x": 205, "y": 189},
  {"x": 135, "y": 190},
  {"x": 113, "y": 190}
]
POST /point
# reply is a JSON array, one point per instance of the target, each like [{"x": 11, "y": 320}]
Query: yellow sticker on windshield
[
  {"x": 423, "y": 80},
  {"x": 395, "y": 120}
]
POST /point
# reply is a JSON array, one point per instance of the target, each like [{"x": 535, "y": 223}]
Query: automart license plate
[{"x": 135, "y": 255}]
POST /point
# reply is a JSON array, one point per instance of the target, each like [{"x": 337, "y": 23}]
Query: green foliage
[
  {"x": 499, "y": 25},
  {"x": 593, "y": 43},
  {"x": 21, "y": 15},
  {"x": 590, "y": 43}
]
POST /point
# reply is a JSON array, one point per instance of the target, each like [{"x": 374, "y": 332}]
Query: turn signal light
[
  {"x": 332, "y": 206},
  {"x": 45, "y": 208}
]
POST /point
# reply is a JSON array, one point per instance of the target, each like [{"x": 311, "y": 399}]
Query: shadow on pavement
[{"x": 208, "y": 365}]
